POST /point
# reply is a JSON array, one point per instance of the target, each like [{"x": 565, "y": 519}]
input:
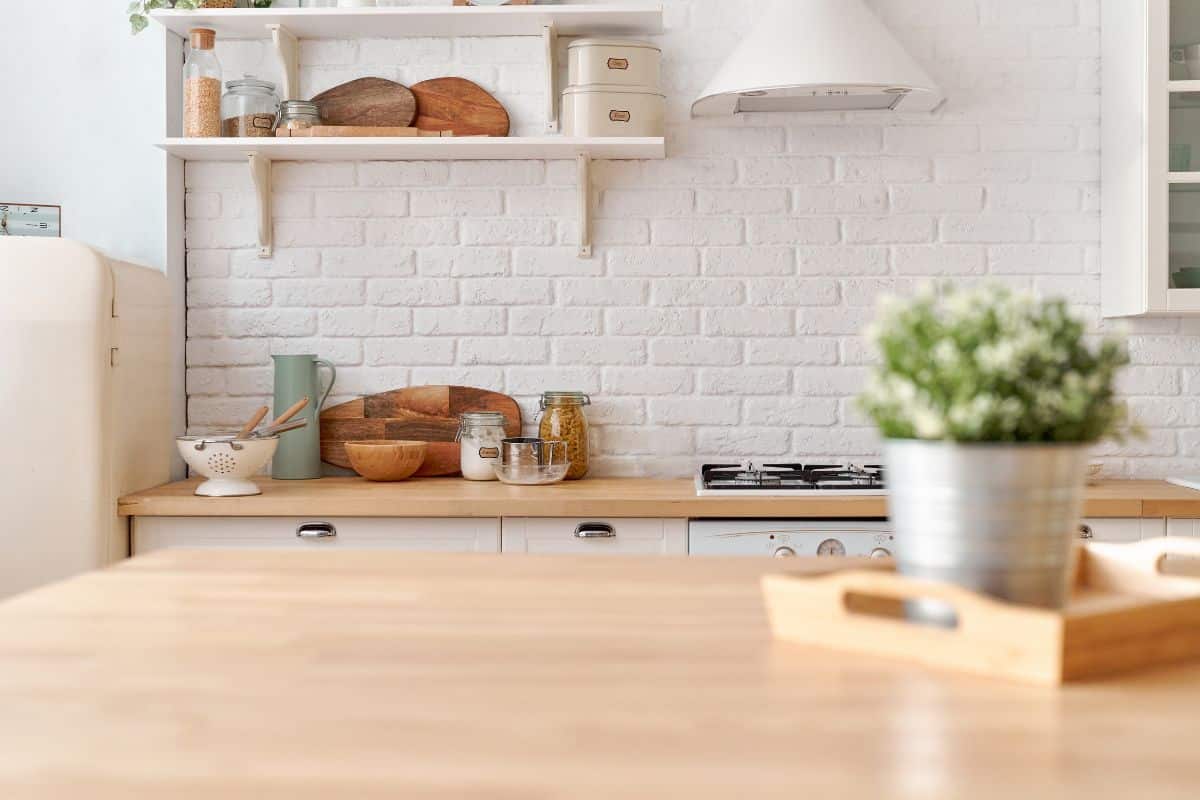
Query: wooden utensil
[
  {"x": 292, "y": 411},
  {"x": 368, "y": 101},
  {"x": 457, "y": 104},
  {"x": 340, "y": 131},
  {"x": 421, "y": 413},
  {"x": 249, "y": 427}
]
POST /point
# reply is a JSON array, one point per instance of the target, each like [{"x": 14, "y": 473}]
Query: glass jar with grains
[
  {"x": 297, "y": 115},
  {"x": 202, "y": 86},
  {"x": 249, "y": 108},
  {"x": 480, "y": 434},
  {"x": 563, "y": 420}
]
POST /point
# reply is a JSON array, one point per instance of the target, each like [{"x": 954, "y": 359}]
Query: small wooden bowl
[{"x": 384, "y": 460}]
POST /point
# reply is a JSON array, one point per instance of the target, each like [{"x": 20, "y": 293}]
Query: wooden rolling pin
[
  {"x": 249, "y": 427},
  {"x": 291, "y": 412}
]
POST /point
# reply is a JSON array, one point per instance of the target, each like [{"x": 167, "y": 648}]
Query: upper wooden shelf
[
  {"x": 467, "y": 148},
  {"x": 409, "y": 21}
]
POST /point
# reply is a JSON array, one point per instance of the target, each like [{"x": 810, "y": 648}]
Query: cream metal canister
[
  {"x": 616, "y": 62},
  {"x": 613, "y": 111}
]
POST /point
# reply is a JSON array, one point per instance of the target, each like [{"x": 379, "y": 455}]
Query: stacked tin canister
[{"x": 614, "y": 89}]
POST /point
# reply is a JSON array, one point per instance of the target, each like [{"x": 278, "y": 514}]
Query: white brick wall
[{"x": 723, "y": 312}]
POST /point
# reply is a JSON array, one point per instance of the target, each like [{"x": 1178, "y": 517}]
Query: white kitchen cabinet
[
  {"x": 1125, "y": 530},
  {"x": 295, "y": 533},
  {"x": 1184, "y": 527},
  {"x": 1151, "y": 157},
  {"x": 595, "y": 536}
]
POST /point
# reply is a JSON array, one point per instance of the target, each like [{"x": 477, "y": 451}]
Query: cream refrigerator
[{"x": 84, "y": 405}]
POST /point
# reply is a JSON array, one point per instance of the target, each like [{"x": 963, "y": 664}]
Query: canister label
[
  {"x": 618, "y": 63},
  {"x": 619, "y": 116}
]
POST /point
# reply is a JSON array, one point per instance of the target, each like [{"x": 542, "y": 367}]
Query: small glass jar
[
  {"x": 249, "y": 108},
  {"x": 480, "y": 434},
  {"x": 202, "y": 86},
  {"x": 563, "y": 420},
  {"x": 295, "y": 115}
]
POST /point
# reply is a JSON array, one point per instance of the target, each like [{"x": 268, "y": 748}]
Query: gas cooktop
[{"x": 790, "y": 479}]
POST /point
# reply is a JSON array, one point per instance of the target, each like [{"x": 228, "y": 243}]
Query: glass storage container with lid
[
  {"x": 249, "y": 108},
  {"x": 563, "y": 420},
  {"x": 298, "y": 115},
  {"x": 480, "y": 434},
  {"x": 202, "y": 86}
]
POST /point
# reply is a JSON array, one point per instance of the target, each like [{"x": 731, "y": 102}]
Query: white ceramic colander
[{"x": 227, "y": 462}]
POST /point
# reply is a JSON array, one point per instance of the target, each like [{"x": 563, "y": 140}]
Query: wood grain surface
[
  {"x": 457, "y": 104},
  {"x": 368, "y": 101},
  {"x": 420, "y": 413},
  {"x": 317, "y": 675},
  {"x": 351, "y": 131},
  {"x": 594, "y": 497}
]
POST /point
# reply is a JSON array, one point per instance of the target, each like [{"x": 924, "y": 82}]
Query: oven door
[{"x": 790, "y": 538}]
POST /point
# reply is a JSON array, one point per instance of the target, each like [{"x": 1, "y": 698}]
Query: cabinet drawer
[
  {"x": 588, "y": 535},
  {"x": 417, "y": 535},
  {"x": 1125, "y": 530},
  {"x": 1183, "y": 527}
]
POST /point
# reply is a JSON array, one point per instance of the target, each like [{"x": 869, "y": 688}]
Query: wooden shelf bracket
[
  {"x": 585, "y": 205},
  {"x": 287, "y": 50},
  {"x": 550, "y": 37},
  {"x": 260, "y": 172}
]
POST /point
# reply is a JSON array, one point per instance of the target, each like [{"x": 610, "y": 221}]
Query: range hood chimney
[{"x": 819, "y": 55}]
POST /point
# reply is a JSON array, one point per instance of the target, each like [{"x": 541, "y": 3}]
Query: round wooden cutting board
[{"x": 421, "y": 414}]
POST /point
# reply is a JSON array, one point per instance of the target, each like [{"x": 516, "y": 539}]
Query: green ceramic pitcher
[{"x": 298, "y": 457}]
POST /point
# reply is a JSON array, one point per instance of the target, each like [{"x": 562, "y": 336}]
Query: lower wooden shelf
[
  {"x": 466, "y": 148},
  {"x": 261, "y": 153}
]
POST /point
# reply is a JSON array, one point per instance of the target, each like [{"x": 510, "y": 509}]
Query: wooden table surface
[
  {"x": 356, "y": 676},
  {"x": 599, "y": 497}
]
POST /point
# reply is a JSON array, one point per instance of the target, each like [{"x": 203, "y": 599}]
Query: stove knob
[
  {"x": 785, "y": 552},
  {"x": 880, "y": 552}
]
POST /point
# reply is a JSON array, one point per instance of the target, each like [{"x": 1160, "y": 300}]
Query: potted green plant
[
  {"x": 989, "y": 402},
  {"x": 139, "y": 10}
]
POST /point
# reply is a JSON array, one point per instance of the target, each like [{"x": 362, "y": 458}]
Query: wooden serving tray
[{"x": 1125, "y": 614}]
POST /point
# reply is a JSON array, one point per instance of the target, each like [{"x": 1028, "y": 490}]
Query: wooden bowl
[{"x": 383, "y": 460}]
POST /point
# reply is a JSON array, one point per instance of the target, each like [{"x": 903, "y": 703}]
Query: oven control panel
[{"x": 791, "y": 538}]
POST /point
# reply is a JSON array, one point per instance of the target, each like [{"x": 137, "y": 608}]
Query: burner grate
[{"x": 793, "y": 477}]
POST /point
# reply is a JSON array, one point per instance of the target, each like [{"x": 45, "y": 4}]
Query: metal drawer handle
[
  {"x": 1085, "y": 532},
  {"x": 594, "y": 530},
  {"x": 316, "y": 530}
]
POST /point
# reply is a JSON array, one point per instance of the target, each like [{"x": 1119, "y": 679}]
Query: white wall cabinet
[
  {"x": 295, "y": 533},
  {"x": 595, "y": 536},
  {"x": 1125, "y": 530},
  {"x": 1151, "y": 158}
]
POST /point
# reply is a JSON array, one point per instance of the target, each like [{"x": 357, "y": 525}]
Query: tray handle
[
  {"x": 967, "y": 605},
  {"x": 1148, "y": 556}
]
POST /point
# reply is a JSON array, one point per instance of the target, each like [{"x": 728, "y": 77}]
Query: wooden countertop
[
  {"x": 599, "y": 497},
  {"x": 316, "y": 675}
]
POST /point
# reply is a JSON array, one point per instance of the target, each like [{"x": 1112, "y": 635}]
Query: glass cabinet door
[{"x": 1183, "y": 147}]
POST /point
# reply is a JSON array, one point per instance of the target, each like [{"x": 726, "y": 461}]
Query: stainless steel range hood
[{"x": 819, "y": 55}]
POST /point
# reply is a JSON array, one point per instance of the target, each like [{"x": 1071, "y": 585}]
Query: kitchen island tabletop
[
  {"x": 383, "y": 675},
  {"x": 601, "y": 497}
]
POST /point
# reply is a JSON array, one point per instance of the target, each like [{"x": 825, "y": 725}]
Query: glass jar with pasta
[{"x": 563, "y": 420}]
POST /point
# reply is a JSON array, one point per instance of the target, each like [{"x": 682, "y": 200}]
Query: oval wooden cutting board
[
  {"x": 375, "y": 102},
  {"x": 457, "y": 104},
  {"x": 419, "y": 413}
]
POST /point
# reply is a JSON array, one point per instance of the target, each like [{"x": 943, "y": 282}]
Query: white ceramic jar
[
  {"x": 479, "y": 435},
  {"x": 613, "y": 111},
  {"x": 614, "y": 62}
]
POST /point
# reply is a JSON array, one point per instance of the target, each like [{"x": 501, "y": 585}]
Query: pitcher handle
[{"x": 320, "y": 362}]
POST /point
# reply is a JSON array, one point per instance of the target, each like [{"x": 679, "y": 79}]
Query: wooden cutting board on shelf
[
  {"x": 368, "y": 101},
  {"x": 457, "y": 104},
  {"x": 419, "y": 413}
]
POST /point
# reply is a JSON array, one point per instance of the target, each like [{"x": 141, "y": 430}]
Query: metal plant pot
[{"x": 1000, "y": 519}]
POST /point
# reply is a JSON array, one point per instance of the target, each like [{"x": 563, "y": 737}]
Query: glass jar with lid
[
  {"x": 480, "y": 434},
  {"x": 563, "y": 420},
  {"x": 249, "y": 108},
  {"x": 202, "y": 86},
  {"x": 297, "y": 115}
]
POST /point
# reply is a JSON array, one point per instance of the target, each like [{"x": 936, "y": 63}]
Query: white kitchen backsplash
[{"x": 723, "y": 311}]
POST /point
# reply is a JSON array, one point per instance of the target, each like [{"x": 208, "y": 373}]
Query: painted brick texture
[{"x": 722, "y": 315}]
